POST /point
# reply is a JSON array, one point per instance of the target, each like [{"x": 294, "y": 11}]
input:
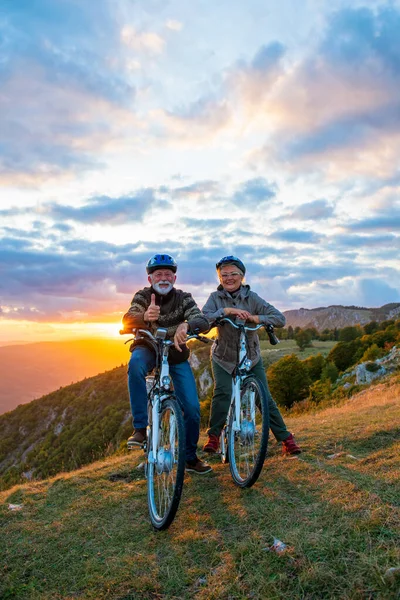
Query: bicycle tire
[
  {"x": 247, "y": 448},
  {"x": 165, "y": 475}
]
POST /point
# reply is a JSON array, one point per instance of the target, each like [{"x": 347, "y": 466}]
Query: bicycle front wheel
[
  {"x": 248, "y": 439},
  {"x": 166, "y": 470}
]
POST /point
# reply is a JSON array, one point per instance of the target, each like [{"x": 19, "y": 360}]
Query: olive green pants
[{"x": 222, "y": 398}]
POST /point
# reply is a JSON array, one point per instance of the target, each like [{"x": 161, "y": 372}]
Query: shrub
[
  {"x": 288, "y": 380},
  {"x": 372, "y": 367},
  {"x": 314, "y": 365},
  {"x": 330, "y": 372},
  {"x": 344, "y": 354},
  {"x": 372, "y": 353},
  {"x": 320, "y": 390}
]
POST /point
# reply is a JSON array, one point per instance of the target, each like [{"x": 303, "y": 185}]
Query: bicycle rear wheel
[
  {"x": 165, "y": 475},
  {"x": 247, "y": 446}
]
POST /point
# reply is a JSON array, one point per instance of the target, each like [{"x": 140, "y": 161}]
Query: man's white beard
[{"x": 163, "y": 290}]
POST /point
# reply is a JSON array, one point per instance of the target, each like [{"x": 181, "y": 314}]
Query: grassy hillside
[
  {"x": 86, "y": 535},
  {"x": 271, "y": 354}
]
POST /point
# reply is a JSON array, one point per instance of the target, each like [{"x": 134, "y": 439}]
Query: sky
[{"x": 268, "y": 130}]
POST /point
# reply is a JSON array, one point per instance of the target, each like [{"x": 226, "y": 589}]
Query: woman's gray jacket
[{"x": 226, "y": 347}]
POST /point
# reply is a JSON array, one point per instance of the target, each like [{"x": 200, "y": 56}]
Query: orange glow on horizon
[{"x": 16, "y": 332}]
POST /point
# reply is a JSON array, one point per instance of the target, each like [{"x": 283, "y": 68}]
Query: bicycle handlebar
[
  {"x": 240, "y": 324},
  {"x": 166, "y": 342}
]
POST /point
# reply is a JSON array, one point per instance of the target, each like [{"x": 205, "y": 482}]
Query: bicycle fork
[{"x": 161, "y": 456}]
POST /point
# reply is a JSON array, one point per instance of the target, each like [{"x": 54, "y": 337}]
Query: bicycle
[
  {"x": 165, "y": 435},
  {"x": 244, "y": 438}
]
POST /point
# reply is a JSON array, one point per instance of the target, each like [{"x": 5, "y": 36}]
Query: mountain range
[{"x": 338, "y": 316}]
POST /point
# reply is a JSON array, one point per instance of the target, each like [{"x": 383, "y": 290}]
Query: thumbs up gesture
[{"x": 153, "y": 311}]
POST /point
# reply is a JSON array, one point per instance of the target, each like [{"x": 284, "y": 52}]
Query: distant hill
[
  {"x": 31, "y": 370},
  {"x": 339, "y": 316}
]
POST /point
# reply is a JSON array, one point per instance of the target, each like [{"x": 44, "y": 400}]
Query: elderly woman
[{"x": 235, "y": 299}]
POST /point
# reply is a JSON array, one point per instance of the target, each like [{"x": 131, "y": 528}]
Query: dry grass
[{"x": 86, "y": 535}]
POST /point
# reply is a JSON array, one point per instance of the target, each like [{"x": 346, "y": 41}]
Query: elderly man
[{"x": 162, "y": 305}]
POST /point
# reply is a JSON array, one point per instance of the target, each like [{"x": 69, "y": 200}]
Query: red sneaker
[
  {"x": 289, "y": 446},
  {"x": 212, "y": 444}
]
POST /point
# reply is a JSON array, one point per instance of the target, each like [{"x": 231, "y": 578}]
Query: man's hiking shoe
[
  {"x": 212, "y": 444},
  {"x": 197, "y": 466},
  {"x": 137, "y": 438},
  {"x": 289, "y": 446}
]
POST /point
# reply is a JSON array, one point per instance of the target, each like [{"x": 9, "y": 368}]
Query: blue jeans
[{"x": 141, "y": 362}]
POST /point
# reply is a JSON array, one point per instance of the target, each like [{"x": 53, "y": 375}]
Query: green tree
[
  {"x": 303, "y": 339},
  {"x": 371, "y": 327},
  {"x": 344, "y": 354},
  {"x": 288, "y": 380},
  {"x": 348, "y": 334}
]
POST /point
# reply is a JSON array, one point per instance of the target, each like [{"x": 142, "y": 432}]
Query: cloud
[
  {"x": 297, "y": 236},
  {"x": 174, "y": 25},
  {"x": 337, "y": 110},
  {"x": 374, "y": 291},
  {"x": 378, "y": 222},
  {"x": 333, "y": 111},
  {"x": 310, "y": 211},
  {"x": 62, "y": 96},
  {"x": 253, "y": 192},
  {"x": 105, "y": 209},
  {"x": 142, "y": 41},
  {"x": 366, "y": 241}
]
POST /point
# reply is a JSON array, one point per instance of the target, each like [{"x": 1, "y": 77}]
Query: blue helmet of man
[{"x": 161, "y": 261}]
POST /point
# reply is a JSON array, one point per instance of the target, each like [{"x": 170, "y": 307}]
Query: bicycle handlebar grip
[{"x": 273, "y": 340}]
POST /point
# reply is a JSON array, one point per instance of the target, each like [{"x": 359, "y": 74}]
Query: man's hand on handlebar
[{"x": 180, "y": 335}]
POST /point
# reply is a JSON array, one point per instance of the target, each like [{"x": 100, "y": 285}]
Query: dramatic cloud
[{"x": 63, "y": 99}]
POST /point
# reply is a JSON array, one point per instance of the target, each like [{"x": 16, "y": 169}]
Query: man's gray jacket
[{"x": 226, "y": 347}]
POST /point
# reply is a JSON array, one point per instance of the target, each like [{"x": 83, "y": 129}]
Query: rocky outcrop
[
  {"x": 367, "y": 372},
  {"x": 367, "y": 375},
  {"x": 205, "y": 382}
]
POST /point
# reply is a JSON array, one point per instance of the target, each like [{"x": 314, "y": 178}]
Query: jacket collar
[{"x": 243, "y": 291}]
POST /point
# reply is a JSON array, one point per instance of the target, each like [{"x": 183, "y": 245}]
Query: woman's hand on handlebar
[
  {"x": 237, "y": 312},
  {"x": 180, "y": 335},
  {"x": 242, "y": 314},
  {"x": 254, "y": 319}
]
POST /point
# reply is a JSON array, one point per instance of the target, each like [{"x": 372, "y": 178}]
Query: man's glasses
[{"x": 233, "y": 274}]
